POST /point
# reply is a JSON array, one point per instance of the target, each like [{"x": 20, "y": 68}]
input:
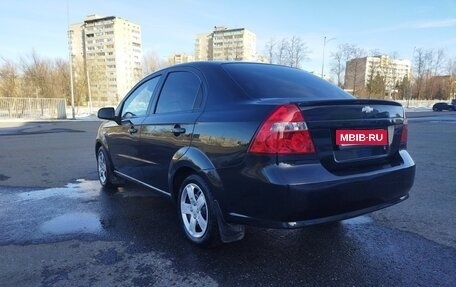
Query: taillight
[
  {"x": 283, "y": 132},
  {"x": 404, "y": 135}
]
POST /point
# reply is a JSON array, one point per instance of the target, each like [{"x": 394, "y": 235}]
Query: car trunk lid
[{"x": 327, "y": 120}]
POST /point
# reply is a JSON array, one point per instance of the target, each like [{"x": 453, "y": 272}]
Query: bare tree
[
  {"x": 9, "y": 79},
  {"x": 37, "y": 76},
  {"x": 344, "y": 53},
  {"x": 427, "y": 66},
  {"x": 61, "y": 77},
  {"x": 451, "y": 81},
  {"x": 290, "y": 52},
  {"x": 152, "y": 62},
  {"x": 281, "y": 52},
  {"x": 338, "y": 67},
  {"x": 80, "y": 85},
  {"x": 297, "y": 52},
  {"x": 438, "y": 57},
  {"x": 420, "y": 69},
  {"x": 269, "y": 48},
  {"x": 451, "y": 66},
  {"x": 434, "y": 85},
  {"x": 352, "y": 54}
]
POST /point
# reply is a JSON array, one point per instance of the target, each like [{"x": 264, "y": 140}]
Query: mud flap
[{"x": 228, "y": 232}]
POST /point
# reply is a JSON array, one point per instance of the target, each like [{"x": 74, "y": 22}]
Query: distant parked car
[
  {"x": 248, "y": 143},
  {"x": 442, "y": 106}
]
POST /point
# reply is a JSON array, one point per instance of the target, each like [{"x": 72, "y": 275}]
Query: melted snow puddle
[
  {"x": 75, "y": 222},
  {"x": 80, "y": 189}
]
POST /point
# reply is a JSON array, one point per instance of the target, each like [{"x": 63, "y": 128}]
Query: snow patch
[{"x": 80, "y": 189}]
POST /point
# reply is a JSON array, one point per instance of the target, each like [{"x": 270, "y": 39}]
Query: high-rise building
[
  {"x": 225, "y": 44},
  {"x": 360, "y": 71},
  {"x": 107, "y": 52}
]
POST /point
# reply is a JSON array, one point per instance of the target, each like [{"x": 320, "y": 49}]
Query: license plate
[{"x": 377, "y": 137}]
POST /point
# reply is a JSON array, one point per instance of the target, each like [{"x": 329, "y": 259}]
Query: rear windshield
[{"x": 270, "y": 81}]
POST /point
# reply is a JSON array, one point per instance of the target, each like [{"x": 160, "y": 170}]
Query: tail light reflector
[
  {"x": 283, "y": 132},
  {"x": 404, "y": 135}
]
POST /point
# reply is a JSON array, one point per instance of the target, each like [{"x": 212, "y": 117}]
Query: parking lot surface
[{"x": 58, "y": 228}]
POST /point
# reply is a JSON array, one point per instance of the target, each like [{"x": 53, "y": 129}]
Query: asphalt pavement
[{"x": 58, "y": 228}]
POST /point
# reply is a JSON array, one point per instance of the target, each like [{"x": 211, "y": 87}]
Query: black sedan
[{"x": 247, "y": 143}]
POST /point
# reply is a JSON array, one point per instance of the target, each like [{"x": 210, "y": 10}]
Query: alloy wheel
[
  {"x": 102, "y": 168},
  {"x": 194, "y": 210}
]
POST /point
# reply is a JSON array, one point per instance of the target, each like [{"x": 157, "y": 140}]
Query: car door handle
[
  {"x": 177, "y": 130},
  {"x": 132, "y": 130}
]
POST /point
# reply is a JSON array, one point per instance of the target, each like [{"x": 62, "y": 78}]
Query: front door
[{"x": 124, "y": 139}]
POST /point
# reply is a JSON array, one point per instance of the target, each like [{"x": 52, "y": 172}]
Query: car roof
[{"x": 208, "y": 64}]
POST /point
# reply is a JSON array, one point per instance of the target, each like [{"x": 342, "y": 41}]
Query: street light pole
[
  {"x": 71, "y": 62},
  {"x": 410, "y": 78},
  {"x": 323, "y": 61},
  {"x": 88, "y": 86},
  {"x": 71, "y": 83}
]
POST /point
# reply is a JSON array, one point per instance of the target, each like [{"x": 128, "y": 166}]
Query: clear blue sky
[{"x": 170, "y": 26}]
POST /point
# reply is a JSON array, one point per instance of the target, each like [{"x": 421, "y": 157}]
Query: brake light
[
  {"x": 404, "y": 135},
  {"x": 283, "y": 132}
]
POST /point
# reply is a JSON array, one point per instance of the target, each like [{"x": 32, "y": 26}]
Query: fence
[
  {"x": 32, "y": 108},
  {"x": 419, "y": 103},
  {"x": 51, "y": 108}
]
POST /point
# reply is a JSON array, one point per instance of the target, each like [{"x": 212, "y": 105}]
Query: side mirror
[{"x": 107, "y": 114}]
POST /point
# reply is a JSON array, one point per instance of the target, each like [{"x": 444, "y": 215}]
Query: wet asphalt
[{"x": 58, "y": 228}]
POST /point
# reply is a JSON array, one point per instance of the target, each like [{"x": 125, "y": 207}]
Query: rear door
[{"x": 170, "y": 127}]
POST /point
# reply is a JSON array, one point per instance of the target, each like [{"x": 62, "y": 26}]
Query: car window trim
[
  {"x": 152, "y": 98},
  {"x": 165, "y": 78}
]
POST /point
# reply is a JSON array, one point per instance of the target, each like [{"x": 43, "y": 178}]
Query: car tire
[
  {"x": 105, "y": 172},
  {"x": 196, "y": 212}
]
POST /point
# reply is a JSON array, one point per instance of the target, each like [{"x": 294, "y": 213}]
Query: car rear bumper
[{"x": 297, "y": 196}]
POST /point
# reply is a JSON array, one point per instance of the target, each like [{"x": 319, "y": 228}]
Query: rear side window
[
  {"x": 180, "y": 92},
  {"x": 270, "y": 81}
]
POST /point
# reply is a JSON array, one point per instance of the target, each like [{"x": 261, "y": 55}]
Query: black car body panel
[
  {"x": 213, "y": 140},
  {"x": 287, "y": 196}
]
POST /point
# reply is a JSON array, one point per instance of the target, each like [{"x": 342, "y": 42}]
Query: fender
[
  {"x": 101, "y": 137},
  {"x": 190, "y": 157}
]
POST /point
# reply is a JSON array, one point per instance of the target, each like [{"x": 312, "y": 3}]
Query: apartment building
[
  {"x": 203, "y": 47},
  {"x": 175, "y": 59},
  {"x": 225, "y": 44},
  {"x": 360, "y": 71},
  {"x": 107, "y": 52}
]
